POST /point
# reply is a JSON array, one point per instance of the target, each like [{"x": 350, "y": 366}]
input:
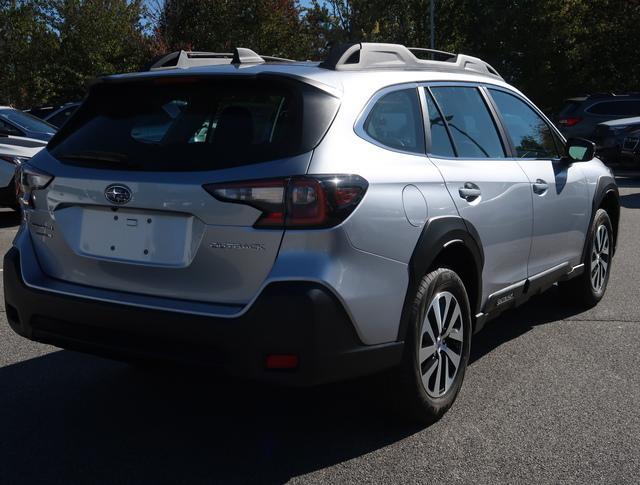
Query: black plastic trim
[
  {"x": 300, "y": 318},
  {"x": 436, "y": 234},
  {"x": 606, "y": 185}
]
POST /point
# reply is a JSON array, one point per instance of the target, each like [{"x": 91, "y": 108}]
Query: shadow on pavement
[
  {"x": 630, "y": 201},
  {"x": 9, "y": 218},
  {"x": 67, "y": 417}
]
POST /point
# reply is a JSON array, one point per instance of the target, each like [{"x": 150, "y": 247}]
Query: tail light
[
  {"x": 569, "y": 122},
  {"x": 296, "y": 202},
  {"x": 28, "y": 179}
]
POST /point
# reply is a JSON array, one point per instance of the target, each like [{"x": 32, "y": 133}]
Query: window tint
[
  {"x": 395, "y": 121},
  {"x": 202, "y": 124},
  {"x": 470, "y": 123},
  {"x": 440, "y": 141},
  {"x": 529, "y": 133},
  {"x": 616, "y": 108}
]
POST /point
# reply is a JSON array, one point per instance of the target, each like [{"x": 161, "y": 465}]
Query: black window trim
[
  {"x": 488, "y": 87},
  {"x": 359, "y": 129},
  {"x": 504, "y": 141},
  {"x": 20, "y": 131}
]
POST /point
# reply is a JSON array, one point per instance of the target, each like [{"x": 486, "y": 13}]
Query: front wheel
[{"x": 437, "y": 345}]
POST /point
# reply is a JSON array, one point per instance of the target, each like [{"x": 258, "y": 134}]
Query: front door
[{"x": 560, "y": 208}]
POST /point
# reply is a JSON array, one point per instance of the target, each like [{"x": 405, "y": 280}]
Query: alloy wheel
[
  {"x": 600, "y": 258},
  {"x": 440, "y": 345}
]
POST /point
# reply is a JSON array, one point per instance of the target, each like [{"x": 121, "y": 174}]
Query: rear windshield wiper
[{"x": 113, "y": 158}]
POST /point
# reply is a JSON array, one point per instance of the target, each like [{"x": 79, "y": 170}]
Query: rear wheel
[
  {"x": 590, "y": 286},
  {"x": 437, "y": 345}
]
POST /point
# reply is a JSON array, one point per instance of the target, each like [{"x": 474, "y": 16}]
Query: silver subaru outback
[{"x": 305, "y": 222}]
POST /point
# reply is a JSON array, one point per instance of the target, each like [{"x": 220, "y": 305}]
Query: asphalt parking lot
[{"x": 551, "y": 396}]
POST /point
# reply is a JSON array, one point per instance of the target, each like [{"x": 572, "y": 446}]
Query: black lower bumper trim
[{"x": 299, "y": 318}]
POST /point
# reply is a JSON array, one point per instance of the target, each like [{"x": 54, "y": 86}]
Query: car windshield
[
  {"x": 194, "y": 124},
  {"x": 26, "y": 121}
]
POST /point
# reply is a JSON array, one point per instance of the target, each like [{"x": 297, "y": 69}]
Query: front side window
[
  {"x": 529, "y": 133},
  {"x": 395, "y": 121},
  {"x": 472, "y": 128}
]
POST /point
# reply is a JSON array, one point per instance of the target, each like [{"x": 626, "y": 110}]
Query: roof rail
[
  {"x": 184, "y": 59},
  {"x": 360, "y": 56}
]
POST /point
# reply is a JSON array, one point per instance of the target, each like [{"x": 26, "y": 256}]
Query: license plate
[{"x": 137, "y": 237}]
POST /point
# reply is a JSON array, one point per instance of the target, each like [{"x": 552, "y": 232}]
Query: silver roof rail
[
  {"x": 360, "y": 56},
  {"x": 185, "y": 59}
]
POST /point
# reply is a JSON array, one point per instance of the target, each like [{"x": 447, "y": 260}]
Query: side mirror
[{"x": 580, "y": 150}]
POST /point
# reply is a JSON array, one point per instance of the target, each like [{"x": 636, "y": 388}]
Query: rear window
[
  {"x": 616, "y": 108},
  {"x": 26, "y": 121},
  {"x": 570, "y": 108},
  {"x": 182, "y": 124}
]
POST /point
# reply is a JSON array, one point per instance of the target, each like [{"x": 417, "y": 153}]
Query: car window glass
[
  {"x": 59, "y": 118},
  {"x": 616, "y": 108},
  {"x": 9, "y": 129},
  {"x": 27, "y": 121},
  {"x": 529, "y": 133},
  {"x": 472, "y": 128},
  {"x": 440, "y": 141},
  {"x": 396, "y": 121}
]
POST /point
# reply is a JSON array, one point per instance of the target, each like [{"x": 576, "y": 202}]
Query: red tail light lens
[
  {"x": 568, "y": 122},
  {"x": 296, "y": 202}
]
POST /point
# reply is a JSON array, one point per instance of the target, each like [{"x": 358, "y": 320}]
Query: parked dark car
[
  {"x": 581, "y": 115},
  {"x": 630, "y": 150},
  {"x": 610, "y": 136},
  {"x": 59, "y": 116}
]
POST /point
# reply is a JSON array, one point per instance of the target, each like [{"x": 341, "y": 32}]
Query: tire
[
  {"x": 588, "y": 289},
  {"x": 430, "y": 391}
]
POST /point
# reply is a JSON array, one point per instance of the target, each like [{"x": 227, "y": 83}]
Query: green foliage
[{"x": 549, "y": 49}]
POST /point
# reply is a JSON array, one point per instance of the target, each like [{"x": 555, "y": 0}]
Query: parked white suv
[{"x": 14, "y": 150}]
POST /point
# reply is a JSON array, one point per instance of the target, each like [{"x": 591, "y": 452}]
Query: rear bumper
[{"x": 298, "y": 318}]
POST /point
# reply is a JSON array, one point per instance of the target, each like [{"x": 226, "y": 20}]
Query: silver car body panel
[{"x": 364, "y": 261}]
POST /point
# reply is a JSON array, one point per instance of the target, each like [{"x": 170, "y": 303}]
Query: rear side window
[
  {"x": 472, "y": 128},
  {"x": 395, "y": 121},
  {"x": 616, "y": 108},
  {"x": 183, "y": 124},
  {"x": 529, "y": 133},
  {"x": 440, "y": 141}
]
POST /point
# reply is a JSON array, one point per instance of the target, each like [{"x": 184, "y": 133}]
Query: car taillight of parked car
[
  {"x": 29, "y": 179},
  {"x": 296, "y": 202},
  {"x": 569, "y": 122}
]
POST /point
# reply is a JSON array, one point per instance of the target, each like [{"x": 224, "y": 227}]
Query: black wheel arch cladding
[{"x": 437, "y": 236}]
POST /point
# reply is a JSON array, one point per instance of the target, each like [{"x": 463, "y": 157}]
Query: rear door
[
  {"x": 131, "y": 207},
  {"x": 490, "y": 191},
  {"x": 560, "y": 199}
]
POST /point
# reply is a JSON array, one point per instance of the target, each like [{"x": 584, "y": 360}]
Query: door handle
[
  {"x": 470, "y": 191},
  {"x": 540, "y": 186}
]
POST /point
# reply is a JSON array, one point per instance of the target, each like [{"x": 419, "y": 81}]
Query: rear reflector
[
  {"x": 296, "y": 202},
  {"x": 282, "y": 361}
]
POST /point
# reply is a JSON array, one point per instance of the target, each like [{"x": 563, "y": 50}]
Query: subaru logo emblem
[{"x": 117, "y": 194}]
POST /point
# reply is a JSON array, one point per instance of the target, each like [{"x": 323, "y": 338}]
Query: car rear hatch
[{"x": 128, "y": 208}]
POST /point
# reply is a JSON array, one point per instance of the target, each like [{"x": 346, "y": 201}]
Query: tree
[{"x": 270, "y": 27}]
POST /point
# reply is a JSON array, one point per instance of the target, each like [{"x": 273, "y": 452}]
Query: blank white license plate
[{"x": 131, "y": 236}]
